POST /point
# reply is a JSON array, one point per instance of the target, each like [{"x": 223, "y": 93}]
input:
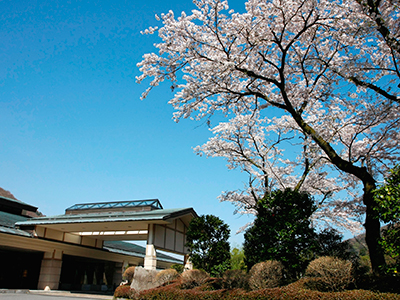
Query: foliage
[
  {"x": 266, "y": 274},
  {"x": 292, "y": 291},
  {"x": 233, "y": 279},
  {"x": 388, "y": 198},
  {"x": 282, "y": 231},
  {"x": 178, "y": 267},
  {"x": 237, "y": 259},
  {"x": 321, "y": 75},
  {"x": 124, "y": 291},
  {"x": 329, "y": 243},
  {"x": 129, "y": 273},
  {"x": 384, "y": 283},
  {"x": 193, "y": 278},
  {"x": 391, "y": 244},
  {"x": 329, "y": 274},
  {"x": 166, "y": 276},
  {"x": 207, "y": 241}
]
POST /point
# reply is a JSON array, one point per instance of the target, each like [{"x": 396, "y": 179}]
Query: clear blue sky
[{"x": 72, "y": 126}]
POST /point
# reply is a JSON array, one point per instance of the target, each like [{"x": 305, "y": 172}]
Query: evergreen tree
[
  {"x": 282, "y": 231},
  {"x": 207, "y": 240}
]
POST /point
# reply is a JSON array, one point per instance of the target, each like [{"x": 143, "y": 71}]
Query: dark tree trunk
[
  {"x": 372, "y": 229},
  {"x": 372, "y": 224}
]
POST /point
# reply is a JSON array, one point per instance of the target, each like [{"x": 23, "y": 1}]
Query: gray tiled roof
[
  {"x": 9, "y": 220},
  {"x": 7, "y": 224}
]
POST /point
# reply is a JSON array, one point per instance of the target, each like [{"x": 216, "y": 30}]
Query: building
[{"x": 86, "y": 248}]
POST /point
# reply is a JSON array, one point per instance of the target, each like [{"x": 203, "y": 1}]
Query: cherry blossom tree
[
  {"x": 323, "y": 70},
  {"x": 258, "y": 148}
]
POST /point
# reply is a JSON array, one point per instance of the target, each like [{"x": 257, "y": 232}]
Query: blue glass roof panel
[{"x": 155, "y": 203}]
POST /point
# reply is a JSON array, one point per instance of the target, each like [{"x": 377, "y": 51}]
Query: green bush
[
  {"x": 267, "y": 274},
  {"x": 124, "y": 291},
  {"x": 193, "y": 278},
  {"x": 166, "y": 276},
  {"x": 329, "y": 274},
  {"x": 207, "y": 242},
  {"x": 233, "y": 279},
  {"x": 178, "y": 267}
]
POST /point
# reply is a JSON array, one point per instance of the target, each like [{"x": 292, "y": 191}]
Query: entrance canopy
[{"x": 91, "y": 224}]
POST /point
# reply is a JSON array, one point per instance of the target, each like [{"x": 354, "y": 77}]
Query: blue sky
[{"x": 73, "y": 128}]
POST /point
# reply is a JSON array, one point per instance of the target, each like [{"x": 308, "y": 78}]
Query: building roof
[
  {"x": 153, "y": 203},
  {"x": 7, "y": 224},
  {"x": 136, "y": 250},
  {"x": 15, "y": 206},
  {"x": 9, "y": 220},
  {"x": 153, "y": 215}
]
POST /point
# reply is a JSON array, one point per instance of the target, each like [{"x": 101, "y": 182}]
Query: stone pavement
[{"x": 48, "y": 295}]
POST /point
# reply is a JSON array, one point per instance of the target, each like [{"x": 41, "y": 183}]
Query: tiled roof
[
  {"x": 9, "y": 220},
  {"x": 7, "y": 224}
]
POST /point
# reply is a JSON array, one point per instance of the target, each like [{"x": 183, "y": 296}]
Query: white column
[
  {"x": 187, "y": 263},
  {"x": 50, "y": 270},
  {"x": 150, "y": 260}
]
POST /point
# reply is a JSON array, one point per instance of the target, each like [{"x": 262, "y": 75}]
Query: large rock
[{"x": 144, "y": 279}]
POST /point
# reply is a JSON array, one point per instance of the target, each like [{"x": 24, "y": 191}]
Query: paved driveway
[{"x": 56, "y": 295}]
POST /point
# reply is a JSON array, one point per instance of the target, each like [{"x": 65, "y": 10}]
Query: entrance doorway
[
  {"x": 86, "y": 274},
  {"x": 19, "y": 269}
]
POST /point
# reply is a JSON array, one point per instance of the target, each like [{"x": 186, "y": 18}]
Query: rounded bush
[
  {"x": 329, "y": 274},
  {"x": 124, "y": 291},
  {"x": 166, "y": 276},
  {"x": 193, "y": 278},
  {"x": 233, "y": 279},
  {"x": 267, "y": 274},
  {"x": 129, "y": 273}
]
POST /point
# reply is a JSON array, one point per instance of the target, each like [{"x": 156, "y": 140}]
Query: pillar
[
  {"x": 50, "y": 270},
  {"x": 187, "y": 263},
  {"x": 118, "y": 272},
  {"x": 150, "y": 260}
]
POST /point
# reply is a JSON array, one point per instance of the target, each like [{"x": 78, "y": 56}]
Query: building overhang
[{"x": 111, "y": 226}]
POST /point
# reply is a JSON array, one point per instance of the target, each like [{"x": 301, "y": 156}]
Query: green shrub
[
  {"x": 267, "y": 274},
  {"x": 166, "y": 276},
  {"x": 124, "y": 291},
  {"x": 233, "y": 279},
  {"x": 129, "y": 273},
  {"x": 329, "y": 274},
  {"x": 178, "y": 267},
  {"x": 193, "y": 278}
]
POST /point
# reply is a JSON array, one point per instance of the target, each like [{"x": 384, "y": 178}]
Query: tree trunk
[
  {"x": 372, "y": 229},
  {"x": 372, "y": 223}
]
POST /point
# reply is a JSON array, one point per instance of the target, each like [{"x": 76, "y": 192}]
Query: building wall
[{"x": 49, "y": 262}]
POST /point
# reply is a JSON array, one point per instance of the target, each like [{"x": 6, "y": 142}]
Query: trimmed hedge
[
  {"x": 293, "y": 291},
  {"x": 266, "y": 274},
  {"x": 124, "y": 291},
  {"x": 329, "y": 274}
]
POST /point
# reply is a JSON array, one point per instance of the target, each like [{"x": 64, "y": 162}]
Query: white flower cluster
[{"x": 320, "y": 77}]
